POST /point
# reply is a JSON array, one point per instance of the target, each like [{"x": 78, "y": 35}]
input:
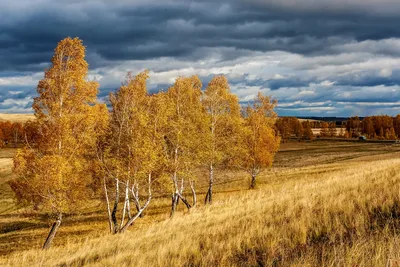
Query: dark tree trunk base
[
  {"x": 193, "y": 193},
  {"x": 175, "y": 199},
  {"x": 185, "y": 202},
  {"x": 208, "y": 199},
  {"x": 253, "y": 182},
  {"x": 52, "y": 232}
]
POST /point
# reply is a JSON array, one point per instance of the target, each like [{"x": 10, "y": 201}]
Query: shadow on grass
[{"x": 16, "y": 226}]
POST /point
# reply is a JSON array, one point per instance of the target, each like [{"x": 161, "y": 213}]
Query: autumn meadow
[{"x": 189, "y": 176}]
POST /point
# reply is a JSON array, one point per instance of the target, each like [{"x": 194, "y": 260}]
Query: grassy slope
[{"x": 331, "y": 206}]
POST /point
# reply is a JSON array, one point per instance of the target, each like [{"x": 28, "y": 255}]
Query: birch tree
[
  {"x": 224, "y": 120},
  {"x": 185, "y": 135},
  {"x": 52, "y": 173},
  {"x": 132, "y": 158},
  {"x": 259, "y": 139}
]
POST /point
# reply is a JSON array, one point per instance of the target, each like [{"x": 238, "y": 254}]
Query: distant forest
[{"x": 382, "y": 127}]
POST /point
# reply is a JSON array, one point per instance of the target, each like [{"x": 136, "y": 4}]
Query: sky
[{"x": 316, "y": 57}]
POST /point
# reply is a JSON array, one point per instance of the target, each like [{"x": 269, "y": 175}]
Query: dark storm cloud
[
  {"x": 272, "y": 84},
  {"x": 178, "y": 29},
  {"x": 316, "y": 51},
  {"x": 276, "y": 84},
  {"x": 369, "y": 81}
]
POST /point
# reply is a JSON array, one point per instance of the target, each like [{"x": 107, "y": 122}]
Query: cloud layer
[{"x": 322, "y": 58}]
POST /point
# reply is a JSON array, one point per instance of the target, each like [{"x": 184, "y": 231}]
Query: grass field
[
  {"x": 16, "y": 117},
  {"x": 322, "y": 204}
]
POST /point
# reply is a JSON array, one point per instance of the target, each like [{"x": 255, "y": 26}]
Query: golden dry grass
[
  {"x": 317, "y": 131},
  {"x": 334, "y": 205},
  {"x": 16, "y": 117},
  {"x": 310, "y": 120}
]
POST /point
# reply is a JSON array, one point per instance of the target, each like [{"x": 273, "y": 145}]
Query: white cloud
[
  {"x": 15, "y": 92},
  {"x": 17, "y": 102},
  {"x": 313, "y": 109},
  {"x": 327, "y": 83},
  {"x": 387, "y": 72},
  {"x": 307, "y": 92},
  {"x": 28, "y": 80},
  {"x": 17, "y": 81}
]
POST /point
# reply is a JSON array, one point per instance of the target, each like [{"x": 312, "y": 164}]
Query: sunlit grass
[
  {"x": 322, "y": 213},
  {"x": 16, "y": 117}
]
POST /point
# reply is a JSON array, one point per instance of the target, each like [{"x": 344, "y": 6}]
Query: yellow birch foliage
[
  {"x": 224, "y": 119},
  {"x": 53, "y": 173},
  {"x": 224, "y": 122},
  {"x": 260, "y": 140},
  {"x": 131, "y": 155},
  {"x": 185, "y": 131},
  {"x": 135, "y": 137}
]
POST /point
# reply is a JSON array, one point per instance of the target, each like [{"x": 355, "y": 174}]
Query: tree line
[
  {"x": 288, "y": 127},
  {"x": 381, "y": 127},
  {"x": 143, "y": 143},
  {"x": 292, "y": 127},
  {"x": 12, "y": 133}
]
